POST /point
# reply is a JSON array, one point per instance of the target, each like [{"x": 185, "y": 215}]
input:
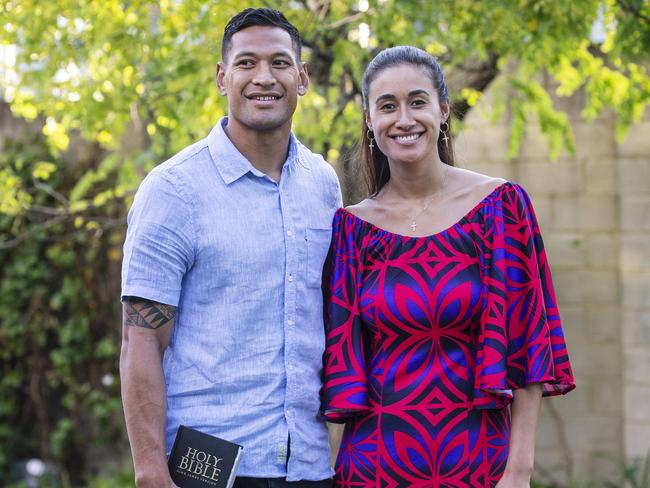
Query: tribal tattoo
[{"x": 145, "y": 313}]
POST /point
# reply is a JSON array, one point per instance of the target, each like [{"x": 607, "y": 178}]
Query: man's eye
[
  {"x": 245, "y": 62},
  {"x": 281, "y": 62},
  {"x": 387, "y": 106}
]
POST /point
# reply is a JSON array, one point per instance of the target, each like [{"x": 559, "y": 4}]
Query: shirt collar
[{"x": 232, "y": 164}]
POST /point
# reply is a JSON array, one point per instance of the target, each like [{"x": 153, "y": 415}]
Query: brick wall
[{"x": 594, "y": 211}]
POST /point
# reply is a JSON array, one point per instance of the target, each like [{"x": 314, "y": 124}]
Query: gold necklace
[{"x": 430, "y": 198}]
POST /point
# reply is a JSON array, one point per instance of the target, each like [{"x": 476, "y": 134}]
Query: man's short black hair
[{"x": 259, "y": 16}]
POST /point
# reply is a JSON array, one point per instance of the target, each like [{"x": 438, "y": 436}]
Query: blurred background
[{"x": 94, "y": 94}]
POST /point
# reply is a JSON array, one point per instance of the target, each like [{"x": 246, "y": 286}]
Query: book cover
[{"x": 200, "y": 460}]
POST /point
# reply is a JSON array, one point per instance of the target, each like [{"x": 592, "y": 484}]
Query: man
[{"x": 221, "y": 277}]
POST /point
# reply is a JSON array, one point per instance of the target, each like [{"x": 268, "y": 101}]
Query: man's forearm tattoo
[{"x": 147, "y": 314}]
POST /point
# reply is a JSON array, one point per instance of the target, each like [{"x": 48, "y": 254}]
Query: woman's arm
[
  {"x": 335, "y": 433},
  {"x": 523, "y": 428}
]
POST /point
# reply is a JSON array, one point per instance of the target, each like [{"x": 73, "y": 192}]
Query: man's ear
[
  {"x": 219, "y": 75},
  {"x": 303, "y": 82}
]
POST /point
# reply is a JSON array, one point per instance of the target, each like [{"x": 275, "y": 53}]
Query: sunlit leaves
[
  {"x": 56, "y": 133},
  {"x": 136, "y": 80},
  {"x": 471, "y": 96},
  {"x": 14, "y": 199},
  {"x": 107, "y": 68},
  {"x": 530, "y": 98},
  {"x": 43, "y": 170}
]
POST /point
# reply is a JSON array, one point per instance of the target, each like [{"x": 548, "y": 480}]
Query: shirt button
[
  {"x": 290, "y": 278},
  {"x": 289, "y": 413},
  {"x": 290, "y": 322},
  {"x": 289, "y": 233}
]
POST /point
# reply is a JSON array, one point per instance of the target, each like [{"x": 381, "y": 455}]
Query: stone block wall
[
  {"x": 594, "y": 211},
  {"x": 634, "y": 265}
]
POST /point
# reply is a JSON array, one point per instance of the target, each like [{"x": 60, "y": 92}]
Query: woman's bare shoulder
[
  {"x": 366, "y": 209},
  {"x": 477, "y": 184}
]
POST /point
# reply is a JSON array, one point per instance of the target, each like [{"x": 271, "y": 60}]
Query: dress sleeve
[
  {"x": 521, "y": 339},
  {"x": 344, "y": 391}
]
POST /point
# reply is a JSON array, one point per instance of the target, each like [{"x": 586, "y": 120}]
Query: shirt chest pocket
[{"x": 318, "y": 243}]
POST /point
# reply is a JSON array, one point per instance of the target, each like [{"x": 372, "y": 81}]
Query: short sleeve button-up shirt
[{"x": 240, "y": 256}]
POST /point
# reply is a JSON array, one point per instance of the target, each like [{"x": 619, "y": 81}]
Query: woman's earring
[
  {"x": 444, "y": 133},
  {"x": 371, "y": 144}
]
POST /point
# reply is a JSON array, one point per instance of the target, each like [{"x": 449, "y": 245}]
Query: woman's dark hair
[
  {"x": 374, "y": 163},
  {"x": 251, "y": 17}
]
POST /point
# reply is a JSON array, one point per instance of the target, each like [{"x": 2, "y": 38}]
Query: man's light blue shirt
[{"x": 241, "y": 257}]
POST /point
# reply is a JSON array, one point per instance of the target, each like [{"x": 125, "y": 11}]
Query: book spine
[{"x": 235, "y": 467}]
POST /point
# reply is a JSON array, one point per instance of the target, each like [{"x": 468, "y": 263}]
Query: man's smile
[{"x": 263, "y": 97}]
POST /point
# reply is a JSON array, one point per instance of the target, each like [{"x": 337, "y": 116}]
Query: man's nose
[{"x": 264, "y": 75}]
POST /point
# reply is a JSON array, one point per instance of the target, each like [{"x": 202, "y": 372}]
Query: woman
[{"x": 442, "y": 326}]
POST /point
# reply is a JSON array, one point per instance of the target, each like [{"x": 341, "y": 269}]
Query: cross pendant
[
  {"x": 445, "y": 138},
  {"x": 371, "y": 145},
  {"x": 414, "y": 226}
]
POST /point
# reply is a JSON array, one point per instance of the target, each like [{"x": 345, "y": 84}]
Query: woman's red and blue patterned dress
[{"x": 427, "y": 337}]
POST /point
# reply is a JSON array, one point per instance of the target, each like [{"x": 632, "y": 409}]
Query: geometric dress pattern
[{"x": 427, "y": 337}]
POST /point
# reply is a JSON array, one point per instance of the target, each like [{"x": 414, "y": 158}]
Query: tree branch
[
  {"x": 625, "y": 6},
  {"x": 33, "y": 230},
  {"x": 59, "y": 216},
  {"x": 349, "y": 19},
  {"x": 52, "y": 192}
]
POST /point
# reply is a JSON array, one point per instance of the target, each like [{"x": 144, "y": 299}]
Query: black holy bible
[{"x": 199, "y": 460}]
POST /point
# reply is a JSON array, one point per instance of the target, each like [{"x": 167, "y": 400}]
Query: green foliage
[
  {"x": 113, "y": 479},
  {"x": 631, "y": 474},
  {"x": 58, "y": 324},
  {"x": 116, "y": 87},
  {"x": 634, "y": 475},
  {"x": 147, "y": 67}
]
